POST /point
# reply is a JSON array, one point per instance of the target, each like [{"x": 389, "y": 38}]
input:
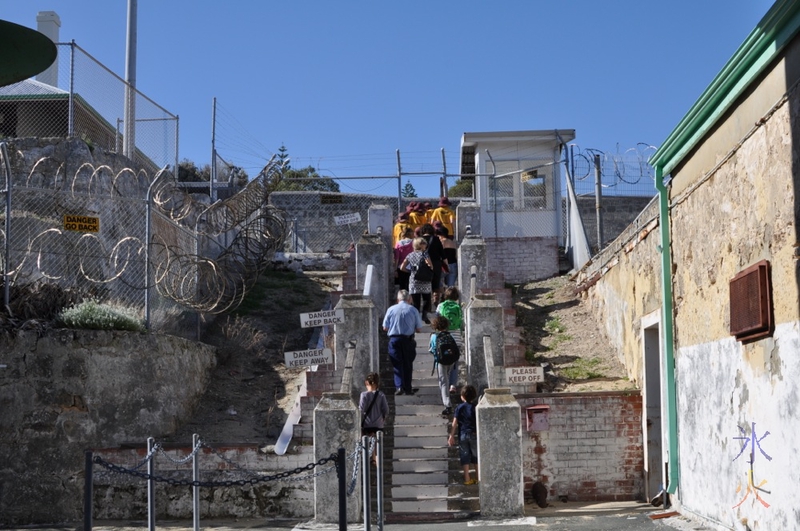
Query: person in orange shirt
[
  {"x": 416, "y": 217},
  {"x": 444, "y": 214},
  {"x": 400, "y": 227}
]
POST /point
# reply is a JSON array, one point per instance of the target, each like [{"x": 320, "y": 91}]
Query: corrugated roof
[{"x": 30, "y": 87}]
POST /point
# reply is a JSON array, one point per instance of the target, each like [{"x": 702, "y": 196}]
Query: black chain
[{"x": 190, "y": 483}]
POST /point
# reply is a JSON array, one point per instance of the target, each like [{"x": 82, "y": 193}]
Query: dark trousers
[
  {"x": 422, "y": 302},
  {"x": 402, "y": 353}
]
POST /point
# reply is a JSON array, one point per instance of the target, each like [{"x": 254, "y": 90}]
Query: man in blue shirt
[{"x": 401, "y": 322}]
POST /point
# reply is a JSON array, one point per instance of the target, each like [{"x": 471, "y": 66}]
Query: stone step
[
  {"x": 413, "y": 410},
  {"x": 437, "y": 429},
  {"x": 421, "y": 478},
  {"x": 421, "y": 442},
  {"x": 418, "y": 453},
  {"x": 432, "y": 464}
]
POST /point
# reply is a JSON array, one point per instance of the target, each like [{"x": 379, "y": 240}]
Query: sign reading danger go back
[{"x": 81, "y": 223}]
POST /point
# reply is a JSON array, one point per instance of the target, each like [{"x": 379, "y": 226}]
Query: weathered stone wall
[
  {"x": 623, "y": 284},
  {"x": 586, "y": 446},
  {"x": 733, "y": 202},
  {"x": 523, "y": 259},
  {"x": 616, "y": 212},
  {"x": 124, "y": 497},
  {"x": 737, "y": 402},
  {"x": 71, "y": 390}
]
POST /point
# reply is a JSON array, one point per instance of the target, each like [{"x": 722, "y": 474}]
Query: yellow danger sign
[{"x": 82, "y": 223}]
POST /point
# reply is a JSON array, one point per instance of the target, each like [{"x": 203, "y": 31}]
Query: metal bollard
[
  {"x": 87, "y": 492},
  {"x": 365, "y": 458},
  {"x": 195, "y": 488},
  {"x": 341, "y": 470},
  {"x": 151, "y": 488},
  {"x": 379, "y": 478}
]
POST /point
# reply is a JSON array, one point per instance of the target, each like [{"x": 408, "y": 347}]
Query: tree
[
  {"x": 462, "y": 188},
  {"x": 188, "y": 172},
  {"x": 307, "y": 179},
  {"x": 408, "y": 190}
]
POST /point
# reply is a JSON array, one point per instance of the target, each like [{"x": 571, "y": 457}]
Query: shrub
[{"x": 100, "y": 316}]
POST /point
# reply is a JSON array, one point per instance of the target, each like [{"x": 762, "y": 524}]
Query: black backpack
[
  {"x": 423, "y": 272},
  {"x": 447, "y": 351}
]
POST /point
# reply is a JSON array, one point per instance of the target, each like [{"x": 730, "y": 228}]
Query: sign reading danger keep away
[{"x": 82, "y": 223}]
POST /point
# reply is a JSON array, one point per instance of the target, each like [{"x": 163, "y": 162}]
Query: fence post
[
  {"x": 484, "y": 318},
  {"x": 598, "y": 200},
  {"x": 87, "y": 491},
  {"x": 7, "y": 244},
  {"x": 151, "y": 488}
]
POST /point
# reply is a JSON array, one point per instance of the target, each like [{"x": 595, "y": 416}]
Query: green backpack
[{"x": 451, "y": 311}]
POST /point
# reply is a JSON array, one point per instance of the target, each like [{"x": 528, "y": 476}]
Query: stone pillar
[
  {"x": 484, "y": 318},
  {"x": 468, "y": 214},
  {"x": 337, "y": 424},
  {"x": 371, "y": 250},
  {"x": 381, "y": 219},
  {"x": 472, "y": 251},
  {"x": 500, "y": 455},
  {"x": 361, "y": 325}
]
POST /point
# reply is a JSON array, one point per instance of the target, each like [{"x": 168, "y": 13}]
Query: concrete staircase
[{"x": 423, "y": 477}]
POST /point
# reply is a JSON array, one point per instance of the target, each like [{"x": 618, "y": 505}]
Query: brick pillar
[
  {"x": 500, "y": 455},
  {"x": 484, "y": 317},
  {"x": 472, "y": 251},
  {"x": 361, "y": 324},
  {"x": 337, "y": 424}
]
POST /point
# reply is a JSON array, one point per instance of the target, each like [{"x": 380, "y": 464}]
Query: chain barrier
[
  {"x": 254, "y": 477},
  {"x": 185, "y": 459},
  {"x": 191, "y": 483}
]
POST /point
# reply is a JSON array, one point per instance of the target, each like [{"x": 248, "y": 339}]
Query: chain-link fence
[
  {"x": 82, "y": 98},
  {"x": 114, "y": 234}
]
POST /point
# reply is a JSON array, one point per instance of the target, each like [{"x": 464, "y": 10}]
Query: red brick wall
[{"x": 591, "y": 448}]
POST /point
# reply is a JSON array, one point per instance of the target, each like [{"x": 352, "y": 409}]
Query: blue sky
[{"x": 345, "y": 84}]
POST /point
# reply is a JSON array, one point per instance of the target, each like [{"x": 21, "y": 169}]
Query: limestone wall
[{"x": 71, "y": 390}]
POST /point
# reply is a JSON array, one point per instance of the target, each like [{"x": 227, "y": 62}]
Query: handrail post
[
  {"x": 379, "y": 477},
  {"x": 7, "y": 239}
]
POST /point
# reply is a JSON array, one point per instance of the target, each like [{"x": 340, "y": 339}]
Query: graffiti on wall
[{"x": 751, "y": 442}]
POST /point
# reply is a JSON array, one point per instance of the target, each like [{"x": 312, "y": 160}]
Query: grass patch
[
  {"x": 557, "y": 331},
  {"x": 271, "y": 280},
  {"x": 94, "y": 315},
  {"x": 583, "y": 369}
]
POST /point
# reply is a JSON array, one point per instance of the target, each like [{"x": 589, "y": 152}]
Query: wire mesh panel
[{"x": 88, "y": 101}]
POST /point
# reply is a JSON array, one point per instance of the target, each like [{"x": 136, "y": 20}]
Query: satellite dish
[{"x": 24, "y": 52}]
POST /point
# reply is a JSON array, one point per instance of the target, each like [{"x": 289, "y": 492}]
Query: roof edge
[{"x": 765, "y": 42}]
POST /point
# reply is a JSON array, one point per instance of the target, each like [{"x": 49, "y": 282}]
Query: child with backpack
[
  {"x": 450, "y": 309},
  {"x": 445, "y": 355},
  {"x": 464, "y": 429}
]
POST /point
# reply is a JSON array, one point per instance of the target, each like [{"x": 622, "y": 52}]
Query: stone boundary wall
[
  {"x": 124, "y": 497},
  {"x": 618, "y": 212},
  {"x": 70, "y": 390},
  {"x": 523, "y": 259},
  {"x": 585, "y": 446}
]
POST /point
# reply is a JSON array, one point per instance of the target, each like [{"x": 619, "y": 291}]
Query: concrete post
[
  {"x": 361, "y": 325},
  {"x": 484, "y": 318},
  {"x": 337, "y": 424},
  {"x": 467, "y": 214},
  {"x": 500, "y": 455},
  {"x": 371, "y": 249},
  {"x": 472, "y": 251},
  {"x": 381, "y": 219}
]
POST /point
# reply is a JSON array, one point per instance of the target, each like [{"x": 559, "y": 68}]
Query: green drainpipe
[{"x": 667, "y": 317}]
